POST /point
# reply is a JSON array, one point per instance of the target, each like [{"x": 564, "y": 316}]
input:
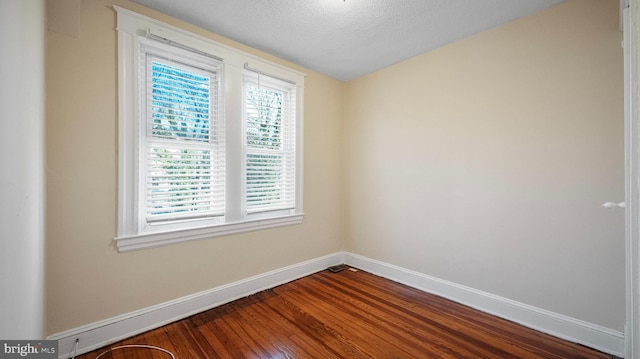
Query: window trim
[{"x": 130, "y": 236}]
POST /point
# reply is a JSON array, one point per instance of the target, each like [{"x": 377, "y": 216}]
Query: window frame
[{"x": 132, "y": 234}]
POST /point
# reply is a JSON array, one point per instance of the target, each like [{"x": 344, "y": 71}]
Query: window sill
[{"x": 150, "y": 240}]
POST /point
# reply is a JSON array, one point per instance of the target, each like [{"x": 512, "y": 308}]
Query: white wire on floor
[
  {"x": 137, "y": 346},
  {"x": 75, "y": 351},
  {"x": 127, "y": 346}
]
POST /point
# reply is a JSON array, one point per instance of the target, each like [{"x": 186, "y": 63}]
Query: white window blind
[
  {"x": 270, "y": 143},
  {"x": 183, "y": 149}
]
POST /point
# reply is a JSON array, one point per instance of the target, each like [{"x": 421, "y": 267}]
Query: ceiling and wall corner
[{"x": 347, "y": 39}]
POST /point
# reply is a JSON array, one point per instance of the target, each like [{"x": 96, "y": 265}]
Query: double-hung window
[
  {"x": 270, "y": 143},
  {"x": 182, "y": 170},
  {"x": 210, "y": 138}
]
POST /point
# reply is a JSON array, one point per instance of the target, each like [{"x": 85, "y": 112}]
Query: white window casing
[{"x": 209, "y": 137}]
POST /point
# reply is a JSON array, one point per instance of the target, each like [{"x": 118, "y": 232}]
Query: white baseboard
[
  {"x": 99, "y": 334},
  {"x": 105, "y": 332},
  {"x": 571, "y": 329}
]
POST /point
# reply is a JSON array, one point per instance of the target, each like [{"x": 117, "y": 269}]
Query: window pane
[
  {"x": 180, "y": 102},
  {"x": 264, "y": 117},
  {"x": 179, "y": 183},
  {"x": 267, "y": 186}
]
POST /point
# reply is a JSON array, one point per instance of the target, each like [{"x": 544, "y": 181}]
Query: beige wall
[
  {"x": 486, "y": 162},
  {"x": 88, "y": 280}
]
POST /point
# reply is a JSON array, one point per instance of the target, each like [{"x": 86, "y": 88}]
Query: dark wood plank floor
[{"x": 345, "y": 315}]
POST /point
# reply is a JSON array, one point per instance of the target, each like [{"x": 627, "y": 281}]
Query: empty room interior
[{"x": 476, "y": 171}]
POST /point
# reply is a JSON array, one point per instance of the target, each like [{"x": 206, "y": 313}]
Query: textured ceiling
[{"x": 346, "y": 39}]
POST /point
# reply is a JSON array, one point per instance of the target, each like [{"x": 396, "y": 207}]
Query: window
[
  {"x": 209, "y": 137},
  {"x": 182, "y": 166},
  {"x": 269, "y": 107}
]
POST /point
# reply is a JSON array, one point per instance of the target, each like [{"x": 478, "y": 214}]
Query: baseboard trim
[
  {"x": 105, "y": 332},
  {"x": 571, "y": 329},
  {"x": 102, "y": 333}
]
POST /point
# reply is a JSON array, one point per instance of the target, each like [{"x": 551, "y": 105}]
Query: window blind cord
[{"x": 260, "y": 97}]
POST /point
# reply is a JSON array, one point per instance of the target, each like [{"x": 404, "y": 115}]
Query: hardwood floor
[{"x": 345, "y": 315}]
